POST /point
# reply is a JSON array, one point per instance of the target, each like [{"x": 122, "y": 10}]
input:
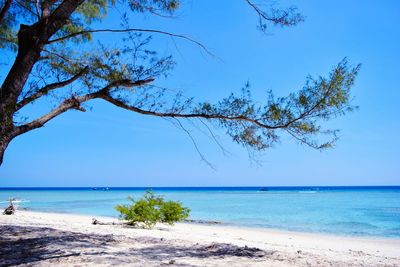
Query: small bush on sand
[{"x": 151, "y": 209}]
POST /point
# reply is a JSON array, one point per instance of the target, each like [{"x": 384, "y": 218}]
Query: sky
[{"x": 107, "y": 146}]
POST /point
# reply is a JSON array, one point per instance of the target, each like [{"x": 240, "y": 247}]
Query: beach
[
  {"x": 199, "y": 133},
  {"x": 43, "y": 239}
]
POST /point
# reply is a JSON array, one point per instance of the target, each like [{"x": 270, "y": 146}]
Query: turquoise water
[{"x": 360, "y": 211}]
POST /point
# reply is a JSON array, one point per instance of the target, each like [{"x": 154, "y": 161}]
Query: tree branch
[
  {"x": 180, "y": 126},
  {"x": 287, "y": 17},
  {"x": 123, "y": 105},
  {"x": 258, "y": 10},
  {"x": 49, "y": 87},
  {"x": 24, "y": 6},
  {"x": 46, "y": 7},
  {"x": 4, "y": 10},
  {"x": 71, "y": 103},
  {"x": 60, "y": 16},
  {"x": 37, "y": 9},
  {"x": 75, "y": 103},
  {"x": 131, "y": 30}
]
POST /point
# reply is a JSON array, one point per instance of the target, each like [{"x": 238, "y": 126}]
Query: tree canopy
[{"x": 53, "y": 48}]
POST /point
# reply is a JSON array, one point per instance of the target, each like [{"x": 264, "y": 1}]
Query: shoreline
[
  {"x": 233, "y": 225},
  {"x": 193, "y": 244}
]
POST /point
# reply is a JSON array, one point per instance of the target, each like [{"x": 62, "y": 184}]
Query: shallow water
[{"x": 361, "y": 211}]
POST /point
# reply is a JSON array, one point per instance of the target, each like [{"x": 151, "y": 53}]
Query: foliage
[
  {"x": 152, "y": 209},
  {"x": 297, "y": 114},
  {"x": 74, "y": 65}
]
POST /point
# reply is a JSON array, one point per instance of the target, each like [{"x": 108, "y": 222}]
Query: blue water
[{"x": 360, "y": 211}]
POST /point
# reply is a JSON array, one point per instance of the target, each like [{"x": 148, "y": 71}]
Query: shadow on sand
[{"x": 40, "y": 245}]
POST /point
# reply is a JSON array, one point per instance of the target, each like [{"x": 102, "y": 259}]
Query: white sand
[{"x": 34, "y": 238}]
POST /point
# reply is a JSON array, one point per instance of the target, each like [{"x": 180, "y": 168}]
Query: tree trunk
[
  {"x": 4, "y": 10},
  {"x": 28, "y": 54},
  {"x": 31, "y": 40},
  {"x": 4, "y": 141},
  {"x": 7, "y": 129}
]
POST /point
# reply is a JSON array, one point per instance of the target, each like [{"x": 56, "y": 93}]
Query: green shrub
[
  {"x": 172, "y": 211},
  {"x": 151, "y": 209}
]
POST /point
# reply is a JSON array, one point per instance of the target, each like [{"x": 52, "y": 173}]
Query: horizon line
[{"x": 165, "y": 187}]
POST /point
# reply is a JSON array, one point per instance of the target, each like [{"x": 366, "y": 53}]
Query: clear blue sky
[{"x": 112, "y": 147}]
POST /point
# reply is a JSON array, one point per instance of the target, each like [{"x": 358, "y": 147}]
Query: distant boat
[
  {"x": 263, "y": 189},
  {"x": 103, "y": 189}
]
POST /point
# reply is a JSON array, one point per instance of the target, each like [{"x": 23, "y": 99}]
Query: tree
[{"x": 44, "y": 37}]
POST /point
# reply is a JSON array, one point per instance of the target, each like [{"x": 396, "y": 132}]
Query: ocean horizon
[{"x": 340, "y": 210}]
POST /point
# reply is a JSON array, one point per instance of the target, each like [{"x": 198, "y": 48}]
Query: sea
[{"x": 372, "y": 211}]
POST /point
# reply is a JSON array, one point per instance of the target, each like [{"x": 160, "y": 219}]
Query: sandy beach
[{"x": 43, "y": 239}]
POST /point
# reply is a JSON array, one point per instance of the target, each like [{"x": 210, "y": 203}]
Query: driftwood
[
  {"x": 202, "y": 221},
  {"x": 97, "y": 222},
  {"x": 10, "y": 209}
]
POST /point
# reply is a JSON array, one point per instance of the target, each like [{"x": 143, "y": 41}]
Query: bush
[{"x": 151, "y": 209}]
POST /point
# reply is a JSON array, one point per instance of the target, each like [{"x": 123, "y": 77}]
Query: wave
[{"x": 16, "y": 201}]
